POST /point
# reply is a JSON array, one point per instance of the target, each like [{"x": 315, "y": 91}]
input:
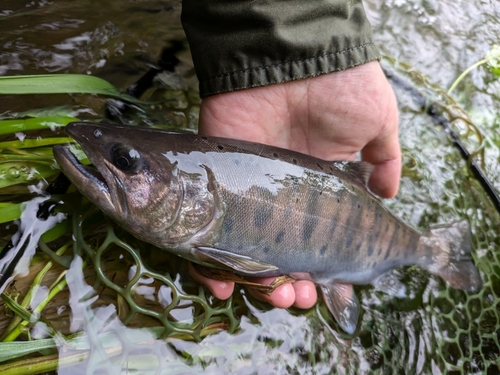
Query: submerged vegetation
[{"x": 110, "y": 280}]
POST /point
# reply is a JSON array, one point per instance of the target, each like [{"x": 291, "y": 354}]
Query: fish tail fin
[
  {"x": 449, "y": 248},
  {"x": 343, "y": 304}
]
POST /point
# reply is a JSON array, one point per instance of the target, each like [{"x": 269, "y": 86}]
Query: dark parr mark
[
  {"x": 310, "y": 218},
  {"x": 370, "y": 249},
  {"x": 323, "y": 249},
  {"x": 266, "y": 249},
  {"x": 349, "y": 238},
  {"x": 387, "y": 253},
  {"x": 358, "y": 246},
  {"x": 333, "y": 225},
  {"x": 279, "y": 237},
  {"x": 262, "y": 215},
  {"x": 379, "y": 251},
  {"x": 228, "y": 225}
]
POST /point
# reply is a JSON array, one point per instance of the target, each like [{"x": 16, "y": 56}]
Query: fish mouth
[{"x": 88, "y": 179}]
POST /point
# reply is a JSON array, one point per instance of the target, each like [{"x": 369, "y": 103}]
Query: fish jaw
[{"x": 90, "y": 182}]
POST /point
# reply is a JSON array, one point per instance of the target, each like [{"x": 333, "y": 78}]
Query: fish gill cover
[{"x": 119, "y": 284}]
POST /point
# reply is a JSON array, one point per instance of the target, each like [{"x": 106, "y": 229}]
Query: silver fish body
[{"x": 259, "y": 210}]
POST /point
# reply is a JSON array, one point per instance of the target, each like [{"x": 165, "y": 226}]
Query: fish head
[{"x": 129, "y": 181}]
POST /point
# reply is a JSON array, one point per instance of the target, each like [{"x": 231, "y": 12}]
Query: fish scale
[{"x": 259, "y": 210}]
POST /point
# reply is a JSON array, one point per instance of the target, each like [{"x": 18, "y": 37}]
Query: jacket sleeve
[{"x": 239, "y": 44}]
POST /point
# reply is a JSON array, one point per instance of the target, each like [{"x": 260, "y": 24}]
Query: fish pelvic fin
[
  {"x": 343, "y": 304},
  {"x": 449, "y": 248}
]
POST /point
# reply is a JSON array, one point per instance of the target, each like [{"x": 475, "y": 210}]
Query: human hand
[{"x": 332, "y": 117}]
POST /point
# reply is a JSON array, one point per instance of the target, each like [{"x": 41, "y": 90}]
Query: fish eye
[{"x": 125, "y": 158}]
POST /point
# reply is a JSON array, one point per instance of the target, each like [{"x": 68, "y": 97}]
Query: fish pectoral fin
[
  {"x": 343, "y": 304},
  {"x": 390, "y": 284},
  {"x": 238, "y": 263}
]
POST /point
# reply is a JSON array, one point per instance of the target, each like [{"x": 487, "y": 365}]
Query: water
[{"x": 437, "y": 330}]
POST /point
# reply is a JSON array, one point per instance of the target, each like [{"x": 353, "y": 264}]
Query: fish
[{"x": 258, "y": 210}]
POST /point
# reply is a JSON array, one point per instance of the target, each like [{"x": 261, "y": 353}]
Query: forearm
[{"x": 239, "y": 44}]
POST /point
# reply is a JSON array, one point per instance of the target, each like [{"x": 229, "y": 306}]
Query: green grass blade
[
  {"x": 20, "y": 125},
  {"x": 30, "y": 143},
  {"x": 9, "y": 212},
  {"x": 61, "y": 84}
]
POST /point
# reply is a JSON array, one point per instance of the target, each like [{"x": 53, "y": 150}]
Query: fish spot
[
  {"x": 294, "y": 161},
  {"x": 323, "y": 249},
  {"x": 338, "y": 200},
  {"x": 275, "y": 155},
  {"x": 319, "y": 166},
  {"x": 280, "y": 237},
  {"x": 370, "y": 249},
  {"x": 262, "y": 215},
  {"x": 220, "y": 147},
  {"x": 359, "y": 206},
  {"x": 228, "y": 225},
  {"x": 358, "y": 246},
  {"x": 266, "y": 249},
  {"x": 204, "y": 138}
]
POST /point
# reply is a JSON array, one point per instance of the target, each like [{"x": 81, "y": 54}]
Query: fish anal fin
[
  {"x": 390, "y": 284},
  {"x": 238, "y": 263},
  {"x": 343, "y": 304}
]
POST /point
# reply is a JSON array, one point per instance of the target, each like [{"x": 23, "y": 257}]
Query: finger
[
  {"x": 384, "y": 153},
  {"x": 282, "y": 297},
  {"x": 305, "y": 294},
  {"x": 220, "y": 289}
]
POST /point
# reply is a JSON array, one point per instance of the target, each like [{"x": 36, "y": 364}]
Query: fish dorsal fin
[
  {"x": 360, "y": 171},
  {"x": 238, "y": 263}
]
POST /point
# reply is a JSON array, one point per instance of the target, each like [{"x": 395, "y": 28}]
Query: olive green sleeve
[{"x": 239, "y": 44}]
